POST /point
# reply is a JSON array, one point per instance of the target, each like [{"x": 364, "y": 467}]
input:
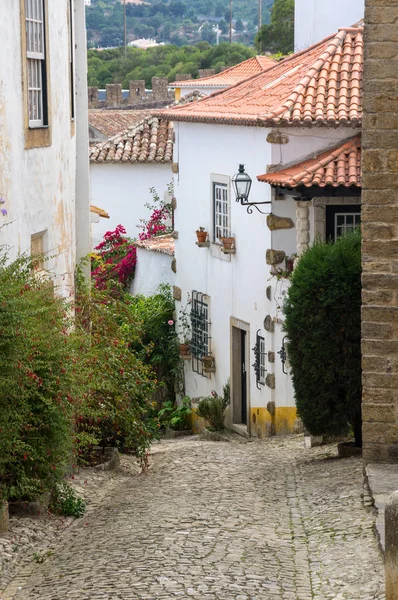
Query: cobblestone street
[{"x": 221, "y": 521}]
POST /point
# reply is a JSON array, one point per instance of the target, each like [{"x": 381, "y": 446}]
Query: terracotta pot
[
  {"x": 289, "y": 265},
  {"x": 201, "y": 235},
  {"x": 185, "y": 350},
  {"x": 228, "y": 242}
]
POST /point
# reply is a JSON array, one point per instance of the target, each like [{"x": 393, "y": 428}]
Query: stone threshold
[{"x": 382, "y": 481}]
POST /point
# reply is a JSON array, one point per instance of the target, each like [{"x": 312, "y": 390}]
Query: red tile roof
[
  {"x": 335, "y": 167},
  {"x": 230, "y": 76},
  {"x": 321, "y": 85},
  {"x": 160, "y": 243},
  {"x": 149, "y": 141},
  {"x": 110, "y": 122}
]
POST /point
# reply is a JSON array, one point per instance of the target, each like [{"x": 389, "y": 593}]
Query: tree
[
  {"x": 239, "y": 25},
  {"x": 278, "y": 36},
  {"x": 323, "y": 326}
]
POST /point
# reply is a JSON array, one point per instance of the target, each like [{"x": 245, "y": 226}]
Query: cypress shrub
[{"x": 323, "y": 325}]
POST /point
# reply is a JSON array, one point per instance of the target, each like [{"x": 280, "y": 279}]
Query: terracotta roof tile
[
  {"x": 99, "y": 211},
  {"x": 230, "y": 76},
  {"x": 321, "y": 85},
  {"x": 111, "y": 122},
  {"x": 335, "y": 167},
  {"x": 149, "y": 141},
  {"x": 160, "y": 243}
]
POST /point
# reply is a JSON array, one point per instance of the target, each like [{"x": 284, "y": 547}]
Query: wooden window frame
[
  {"x": 222, "y": 183},
  {"x": 37, "y": 133}
]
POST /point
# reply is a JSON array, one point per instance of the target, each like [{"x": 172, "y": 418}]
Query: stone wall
[
  {"x": 137, "y": 97},
  {"x": 380, "y": 233}
]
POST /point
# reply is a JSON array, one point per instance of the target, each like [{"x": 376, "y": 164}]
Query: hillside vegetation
[
  {"x": 176, "y": 21},
  {"x": 111, "y": 66}
]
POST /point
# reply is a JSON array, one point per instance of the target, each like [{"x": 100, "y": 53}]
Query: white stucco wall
[
  {"x": 39, "y": 184},
  {"x": 316, "y": 19},
  {"x": 153, "y": 268},
  {"x": 122, "y": 191}
]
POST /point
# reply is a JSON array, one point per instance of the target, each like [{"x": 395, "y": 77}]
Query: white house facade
[
  {"x": 316, "y": 19},
  {"x": 155, "y": 265},
  {"x": 235, "y": 297},
  {"x": 44, "y": 174},
  {"x": 123, "y": 171}
]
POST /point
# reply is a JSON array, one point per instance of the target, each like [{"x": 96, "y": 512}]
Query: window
[
  {"x": 36, "y": 63},
  {"x": 259, "y": 360},
  {"x": 221, "y": 211},
  {"x": 341, "y": 219},
  {"x": 71, "y": 61},
  {"x": 200, "y": 342},
  {"x": 345, "y": 222},
  {"x": 37, "y": 250}
]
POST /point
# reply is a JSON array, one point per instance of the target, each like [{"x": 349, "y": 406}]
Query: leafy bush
[
  {"x": 213, "y": 408},
  {"x": 176, "y": 417},
  {"x": 323, "y": 324},
  {"x": 36, "y": 383},
  {"x": 65, "y": 502},
  {"x": 114, "y": 260}
]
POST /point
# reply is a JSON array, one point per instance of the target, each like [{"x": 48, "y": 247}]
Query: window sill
[
  {"x": 38, "y": 137},
  {"x": 203, "y": 244}
]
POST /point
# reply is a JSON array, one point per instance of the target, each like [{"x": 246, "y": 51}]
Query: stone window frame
[
  {"x": 320, "y": 205},
  {"x": 224, "y": 181},
  {"x": 36, "y": 135}
]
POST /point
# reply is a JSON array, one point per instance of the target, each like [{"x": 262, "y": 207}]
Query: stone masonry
[
  {"x": 220, "y": 521},
  {"x": 137, "y": 97},
  {"x": 380, "y": 233}
]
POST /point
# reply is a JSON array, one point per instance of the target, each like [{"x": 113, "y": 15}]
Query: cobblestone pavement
[{"x": 221, "y": 521}]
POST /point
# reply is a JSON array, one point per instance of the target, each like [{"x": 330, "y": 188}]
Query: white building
[
  {"x": 220, "y": 81},
  {"x": 316, "y": 19},
  {"x": 44, "y": 174},
  {"x": 236, "y": 297},
  {"x": 155, "y": 265},
  {"x": 124, "y": 168}
]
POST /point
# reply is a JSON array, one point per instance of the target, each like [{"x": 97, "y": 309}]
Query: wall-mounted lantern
[{"x": 242, "y": 183}]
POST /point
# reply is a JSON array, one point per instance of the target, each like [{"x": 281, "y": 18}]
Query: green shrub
[
  {"x": 36, "y": 379},
  {"x": 65, "y": 502},
  {"x": 176, "y": 417},
  {"x": 212, "y": 408},
  {"x": 323, "y": 325}
]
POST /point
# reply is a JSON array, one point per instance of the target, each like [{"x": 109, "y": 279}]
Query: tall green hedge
[{"x": 323, "y": 325}]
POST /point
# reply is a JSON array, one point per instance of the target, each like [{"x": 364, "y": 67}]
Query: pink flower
[{"x": 171, "y": 322}]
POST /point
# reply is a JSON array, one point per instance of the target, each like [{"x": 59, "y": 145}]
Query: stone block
[
  {"x": 92, "y": 96},
  {"x": 391, "y": 547},
  {"x": 268, "y": 292},
  {"x": 270, "y": 381},
  {"x": 177, "y": 293},
  {"x": 271, "y": 357},
  {"x": 206, "y": 73},
  {"x": 271, "y": 408},
  {"x": 275, "y": 257},
  {"x": 183, "y": 77},
  {"x": 4, "y": 517},
  {"x": 113, "y": 94},
  {"x": 160, "y": 88},
  {"x": 378, "y": 413},
  {"x": 276, "y": 137},
  {"x": 274, "y": 222},
  {"x": 174, "y": 265},
  {"x": 136, "y": 90},
  {"x": 174, "y": 168},
  {"x": 269, "y": 324}
]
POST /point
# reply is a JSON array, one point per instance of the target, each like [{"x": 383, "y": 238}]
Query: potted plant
[
  {"x": 213, "y": 407},
  {"x": 176, "y": 419},
  {"x": 228, "y": 243},
  {"x": 289, "y": 260},
  {"x": 201, "y": 234},
  {"x": 185, "y": 349}
]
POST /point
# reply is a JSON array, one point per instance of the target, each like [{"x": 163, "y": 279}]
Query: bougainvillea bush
[
  {"x": 36, "y": 380},
  {"x": 160, "y": 221},
  {"x": 113, "y": 261},
  {"x": 116, "y": 386}
]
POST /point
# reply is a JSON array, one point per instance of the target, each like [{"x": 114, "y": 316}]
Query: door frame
[{"x": 243, "y": 326}]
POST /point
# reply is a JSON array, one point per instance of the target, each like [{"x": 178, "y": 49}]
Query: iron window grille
[
  {"x": 259, "y": 360},
  {"x": 36, "y": 63},
  {"x": 200, "y": 323},
  {"x": 221, "y": 211}
]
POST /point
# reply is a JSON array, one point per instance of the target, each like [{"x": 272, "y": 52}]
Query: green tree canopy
[{"x": 278, "y": 36}]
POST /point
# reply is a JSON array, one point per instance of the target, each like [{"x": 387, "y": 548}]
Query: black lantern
[{"x": 242, "y": 184}]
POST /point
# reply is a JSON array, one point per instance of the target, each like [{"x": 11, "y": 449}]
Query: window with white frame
[
  {"x": 36, "y": 62},
  {"x": 345, "y": 222},
  {"x": 221, "y": 211},
  {"x": 200, "y": 323}
]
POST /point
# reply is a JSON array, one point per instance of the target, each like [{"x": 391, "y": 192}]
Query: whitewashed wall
[
  {"x": 316, "y": 19},
  {"x": 203, "y": 89},
  {"x": 153, "y": 268},
  {"x": 236, "y": 284},
  {"x": 39, "y": 184},
  {"x": 122, "y": 191}
]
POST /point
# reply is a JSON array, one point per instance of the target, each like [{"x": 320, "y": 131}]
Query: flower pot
[
  {"x": 185, "y": 350},
  {"x": 228, "y": 242},
  {"x": 289, "y": 265},
  {"x": 201, "y": 235}
]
